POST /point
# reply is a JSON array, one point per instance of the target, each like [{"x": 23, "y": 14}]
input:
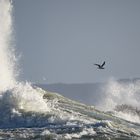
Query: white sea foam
[
  {"x": 18, "y": 95},
  {"x": 7, "y": 57},
  {"x": 85, "y": 132},
  {"x": 128, "y": 116},
  {"x": 122, "y": 97},
  {"x": 118, "y": 93}
]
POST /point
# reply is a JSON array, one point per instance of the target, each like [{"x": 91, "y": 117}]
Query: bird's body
[{"x": 100, "y": 66}]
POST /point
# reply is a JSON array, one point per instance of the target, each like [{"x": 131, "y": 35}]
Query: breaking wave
[
  {"x": 122, "y": 96},
  {"x": 14, "y": 95}
]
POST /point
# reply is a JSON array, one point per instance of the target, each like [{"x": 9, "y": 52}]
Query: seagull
[{"x": 100, "y": 66}]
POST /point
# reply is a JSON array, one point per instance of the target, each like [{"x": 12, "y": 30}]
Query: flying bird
[{"x": 100, "y": 66}]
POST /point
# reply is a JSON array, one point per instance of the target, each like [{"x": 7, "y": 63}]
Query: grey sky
[{"x": 62, "y": 39}]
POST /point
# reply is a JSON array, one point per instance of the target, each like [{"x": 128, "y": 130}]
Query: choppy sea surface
[{"x": 40, "y": 114}]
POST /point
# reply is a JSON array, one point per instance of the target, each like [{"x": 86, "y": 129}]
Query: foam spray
[
  {"x": 17, "y": 95},
  {"x": 7, "y": 58}
]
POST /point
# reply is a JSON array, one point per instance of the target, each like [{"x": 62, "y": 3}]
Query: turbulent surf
[
  {"x": 29, "y": 112},
  {"x": 35, "y": 113}
]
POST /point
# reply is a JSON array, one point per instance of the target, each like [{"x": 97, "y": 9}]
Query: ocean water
[{"x": 29, "y": 112}]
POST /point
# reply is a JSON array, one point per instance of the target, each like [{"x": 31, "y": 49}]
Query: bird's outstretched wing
[
  {"x": 97, "y": 65},
  {"x": 103, "y": 64}
]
